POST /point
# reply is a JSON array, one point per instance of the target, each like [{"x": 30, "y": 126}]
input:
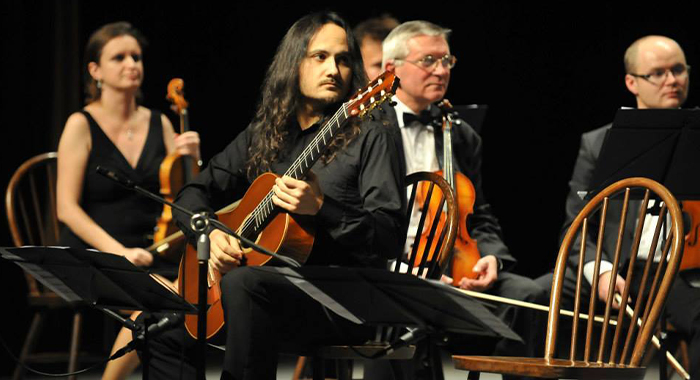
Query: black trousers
[
  {"x": 530, "y": 324},
  {"x": 265, "y": 314},
  {"x": 683, "y": 311}
]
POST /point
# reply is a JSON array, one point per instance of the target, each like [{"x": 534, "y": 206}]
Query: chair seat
[
  {"x": 363, "y": 351},
  {"x": 550, "y": 369}
]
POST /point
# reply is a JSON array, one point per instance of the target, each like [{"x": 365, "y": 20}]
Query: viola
[
  {"x": 465, "y": 254},
  {"x": 691, "y": 250},
  {"x": 175, "y": 171},
  {"x": 259, "y": 220}
]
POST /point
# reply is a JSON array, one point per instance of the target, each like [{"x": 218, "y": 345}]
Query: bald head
[
  {"x": 643, "y": 45},
  {"x": 656, "y": 72}
]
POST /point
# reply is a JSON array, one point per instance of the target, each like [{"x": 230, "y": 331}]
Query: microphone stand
[{"x": 199, "y": 223}]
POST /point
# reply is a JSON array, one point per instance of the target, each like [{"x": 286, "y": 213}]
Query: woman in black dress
[{"x": 114, "y": 131}]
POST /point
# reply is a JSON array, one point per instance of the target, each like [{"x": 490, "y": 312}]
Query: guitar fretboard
[{"x": 311, "y": 153}]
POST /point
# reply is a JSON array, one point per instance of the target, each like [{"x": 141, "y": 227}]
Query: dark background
[{"x": 547, "y": 73}]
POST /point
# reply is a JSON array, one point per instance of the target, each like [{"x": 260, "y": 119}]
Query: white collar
[{"x": 401, "y": 108}]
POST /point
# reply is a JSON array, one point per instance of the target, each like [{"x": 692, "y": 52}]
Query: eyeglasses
[
  {"x": 430, "y": 63},
  {"x": 658, "y": 77}
]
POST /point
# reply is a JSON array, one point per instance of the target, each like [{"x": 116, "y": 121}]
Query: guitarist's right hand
[{"x": 226, "y": 252}]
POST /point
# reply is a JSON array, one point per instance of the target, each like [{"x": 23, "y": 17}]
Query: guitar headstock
[{"x": 378, "y": 91}]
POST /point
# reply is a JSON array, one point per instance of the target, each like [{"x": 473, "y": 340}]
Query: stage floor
[{"x": 287, "y": 363}]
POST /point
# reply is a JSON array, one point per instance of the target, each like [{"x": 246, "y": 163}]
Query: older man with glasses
[{"x": 419, "y": 54}]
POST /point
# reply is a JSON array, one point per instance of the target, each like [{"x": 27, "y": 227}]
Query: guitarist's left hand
[{"x": 298, "y": 197}]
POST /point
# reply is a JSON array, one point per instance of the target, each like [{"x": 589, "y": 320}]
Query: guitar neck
[
  {"x": 266, "y": 210},
  {"x": 318, "y": 145}
]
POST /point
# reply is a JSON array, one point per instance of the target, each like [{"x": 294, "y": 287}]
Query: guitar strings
[{"x": 260, "y": 212}]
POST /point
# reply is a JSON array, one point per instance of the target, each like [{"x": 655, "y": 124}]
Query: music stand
[
  {"x": 389, "y": 298},
  {"x": 473, "y": 114},
  {"x": 660, "y": 144},
  {"x": 104, "y": 281}
]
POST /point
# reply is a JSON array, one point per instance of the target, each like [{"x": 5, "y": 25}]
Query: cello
[
  {"x": 465, "y": 252},
  {"x": 258, "y": 219},
  {"x": 175, "y": 171}
]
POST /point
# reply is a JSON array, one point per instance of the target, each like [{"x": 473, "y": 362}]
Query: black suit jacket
[{"x": 589, "y": 151}]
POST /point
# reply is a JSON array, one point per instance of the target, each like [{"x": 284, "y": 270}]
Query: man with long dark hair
[{"x": 353, "y": 197}]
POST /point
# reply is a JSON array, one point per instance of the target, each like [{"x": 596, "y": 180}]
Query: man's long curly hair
[{"x": 281, "y": 96}]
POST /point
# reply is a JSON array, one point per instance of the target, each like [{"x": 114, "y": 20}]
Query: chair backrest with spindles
[
  {"x": 30, "y": 201},
  {"x": 439, "y": 238},
  {"x": 614, "y": 222}
]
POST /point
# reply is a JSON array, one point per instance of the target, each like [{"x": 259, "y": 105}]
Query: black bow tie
[{"x": 425, "y": 118}]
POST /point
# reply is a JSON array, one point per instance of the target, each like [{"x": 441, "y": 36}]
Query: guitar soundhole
[{"x": 249, "y": 234}]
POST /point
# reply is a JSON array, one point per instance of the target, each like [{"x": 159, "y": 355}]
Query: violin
[
  {"x": 465, "y": 252},
  {"x": 175, "y": 170},
  {"x": 691, "y": 250}
]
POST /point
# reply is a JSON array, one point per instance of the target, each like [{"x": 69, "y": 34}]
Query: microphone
[
  {"x": 111, "y": 174},
  {"x": 169, "y": 321},
  {"x": 412, "y": 335}
]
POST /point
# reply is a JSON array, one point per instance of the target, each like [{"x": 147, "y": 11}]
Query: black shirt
[{"x": 361, "y": 220}]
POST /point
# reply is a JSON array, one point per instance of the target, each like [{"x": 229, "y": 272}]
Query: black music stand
[
  {"x": 103, "y": 281},
  {"x": 380, "y": 297},
  {"x": 661, "y": 144},
  {"x": 473, "y": 114}
]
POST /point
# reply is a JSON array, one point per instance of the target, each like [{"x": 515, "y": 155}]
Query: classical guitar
[{"x": 259, "y": 220}]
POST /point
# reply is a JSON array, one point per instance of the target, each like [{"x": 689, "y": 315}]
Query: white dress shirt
[{"x": 419, "y": 152}]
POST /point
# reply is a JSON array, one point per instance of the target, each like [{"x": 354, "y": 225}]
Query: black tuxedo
[
  {"x": 483, "y": 226},
  {"x": 466, "y": 143}
]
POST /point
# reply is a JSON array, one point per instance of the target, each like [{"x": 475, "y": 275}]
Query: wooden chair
[
  {"x": 440, "y": 240},
  {"x": 30, "y": 201},
  {"x": 619, "y": 353}
]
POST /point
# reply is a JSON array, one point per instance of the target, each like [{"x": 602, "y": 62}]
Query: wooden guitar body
[{"x": 282, "y": 235}]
